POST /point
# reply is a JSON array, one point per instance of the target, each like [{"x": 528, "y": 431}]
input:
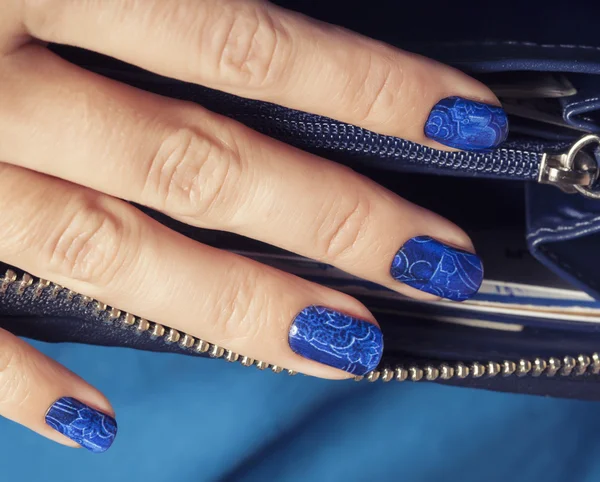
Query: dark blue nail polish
[
  {"x": 337, "y": 340},
  {"x": 466, "y": 124},
  {"x": 90, "y": 428},
  {"x": 439, "y": 269}
]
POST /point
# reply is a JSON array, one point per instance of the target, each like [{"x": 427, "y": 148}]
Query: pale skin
[{"x": 74, "y": 145}]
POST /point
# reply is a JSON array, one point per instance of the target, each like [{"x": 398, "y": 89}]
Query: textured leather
[
  {"x": 485, "y": 56},
  {"x": 582, "y": 110},
  {"x": 563, "y": 233},
  {"x": 577, "y": 111},
  {"x": 447, "y": 24}
]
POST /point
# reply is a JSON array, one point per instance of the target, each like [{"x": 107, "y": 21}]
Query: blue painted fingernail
[
  {"x": 466, "y": 124},
  {"x": 439, "y": 269},
  {"x": 337, "y": 340},
  {"x": 90, "y": 428}
]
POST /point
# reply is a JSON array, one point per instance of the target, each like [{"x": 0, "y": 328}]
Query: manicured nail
[
  {"x": 337, "y": 340},
  {"x": 439, "y": 269},
  {"x": 466, "y": 124},
  {"x": 90, "y": 428}
]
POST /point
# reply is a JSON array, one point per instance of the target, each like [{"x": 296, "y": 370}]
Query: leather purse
[{"x": 531, "y": 206}]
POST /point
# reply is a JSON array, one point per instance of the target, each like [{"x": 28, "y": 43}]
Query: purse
[{"x": 531, "y": 205}]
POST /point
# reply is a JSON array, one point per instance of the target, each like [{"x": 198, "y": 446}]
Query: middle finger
[{"x": 209, "y": 171}]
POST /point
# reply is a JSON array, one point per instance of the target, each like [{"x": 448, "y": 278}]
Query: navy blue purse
[{"x": 535, "y": 325}]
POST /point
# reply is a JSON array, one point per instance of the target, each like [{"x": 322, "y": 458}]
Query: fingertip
[
  {"x": 437, "y": 268},
  {"x": 466, "y": 124},
  {"x": 90, "y": 428},
  {"x": 336, "y": 339}
]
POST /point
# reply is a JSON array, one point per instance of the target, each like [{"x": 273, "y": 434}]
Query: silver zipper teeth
[{"x": 549, "y": 367}]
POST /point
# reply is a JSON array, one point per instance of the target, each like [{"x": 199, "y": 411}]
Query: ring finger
[{"x": 107, "y": 249}]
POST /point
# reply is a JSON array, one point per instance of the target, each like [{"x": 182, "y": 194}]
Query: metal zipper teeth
[
  {"x": 310, "y": 131},
  {"x": 550, "y": 367}
]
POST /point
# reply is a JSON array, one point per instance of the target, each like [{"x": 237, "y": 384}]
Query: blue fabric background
[{"x": 183, "y": 419}]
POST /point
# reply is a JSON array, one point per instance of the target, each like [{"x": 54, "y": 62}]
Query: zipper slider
[{"x": 575, "y": 170}]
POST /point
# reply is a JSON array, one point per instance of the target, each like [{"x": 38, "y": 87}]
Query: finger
[
  {"x": 261, "y": 51},
  {"x": 212, "y": 172},
  {"x": 105, "y": 248},
  {"x": 42, "y": 395}
]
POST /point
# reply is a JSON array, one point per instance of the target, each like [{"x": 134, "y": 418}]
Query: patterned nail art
[
  {"x": 439, "y": 269},
  {"x": 90, "y": 428},
  {"x": 466, "y": 124},
  {"x": 337, "y": 340}
]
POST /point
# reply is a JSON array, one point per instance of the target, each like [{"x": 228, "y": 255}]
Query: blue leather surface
[
  {"x": 506, "y": 56},
  {"x": 439, "y": 22},
  {"x": 575, "y": 109},
  {"x": 556, "y": 219},
  {"x": 582, "y": 110}
]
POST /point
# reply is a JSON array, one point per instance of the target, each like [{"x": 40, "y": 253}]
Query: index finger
[{"x": 261, "y": 51}]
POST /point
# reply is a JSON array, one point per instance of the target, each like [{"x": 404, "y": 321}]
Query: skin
[{"x": 74, "y": 145}]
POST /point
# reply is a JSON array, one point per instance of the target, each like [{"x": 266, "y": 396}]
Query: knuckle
[
  {"x": 242, "y": 302},
  {"x": 89, "y": 245},
  {"x": 248, "y": 45},
  {"x": 8, "y": 359},
  {"x": 344, "y": 227},
  {"x": 14, "y": 386},
  {"x": 192, "y": 175},
  {"x": 377, "y": 90},
  {"x": 16, "y": 232}
]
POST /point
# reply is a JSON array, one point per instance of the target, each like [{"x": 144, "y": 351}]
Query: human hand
[{"x": 75, "y": 146}]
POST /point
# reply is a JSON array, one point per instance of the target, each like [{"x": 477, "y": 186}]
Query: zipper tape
[{"x": 565, "y": 366}]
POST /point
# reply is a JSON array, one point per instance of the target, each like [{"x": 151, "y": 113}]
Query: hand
[{"x": 75, "y": 145}]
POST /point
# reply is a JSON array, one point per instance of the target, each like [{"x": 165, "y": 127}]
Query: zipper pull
[{"x": 575, "y": 170}]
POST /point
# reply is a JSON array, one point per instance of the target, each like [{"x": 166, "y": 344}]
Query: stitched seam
[
  {"x": 579, "y": 102},
  {"x": 550, "y": 239},
  {"x": 575, "y": 226},
  {"x": 524, "y": 44}
]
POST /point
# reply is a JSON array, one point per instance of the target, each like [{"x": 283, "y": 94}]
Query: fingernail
[
  {"x": 466, "y": 124},
  {"x": 88, "y": 427},
  {"x": 332, "y": 338},
  {"x": 439, "y": 269}
]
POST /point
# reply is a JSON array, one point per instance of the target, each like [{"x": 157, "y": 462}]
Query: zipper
[
  {"x": 328, "y": 137},
  {"x": 574, "y": 170},
  {"x": 568, "y": 166},
  {"x": 565, "y": 366}
]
